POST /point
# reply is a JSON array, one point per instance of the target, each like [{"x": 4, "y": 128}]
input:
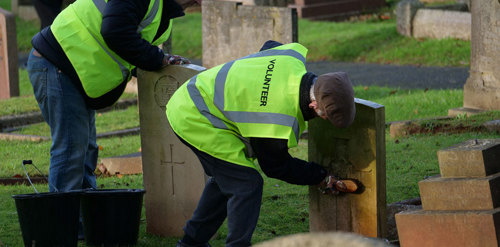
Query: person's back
[
  {"x": 254, "y": 107},
  {"x": 254, "y": 96}
]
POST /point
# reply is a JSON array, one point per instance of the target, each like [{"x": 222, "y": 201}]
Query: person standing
[{"x": 82, "y": 62}]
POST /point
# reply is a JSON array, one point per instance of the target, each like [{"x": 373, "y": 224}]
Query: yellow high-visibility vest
[
  {"x": 78, "y": 30},
  {"x": 218, "y": 110}
]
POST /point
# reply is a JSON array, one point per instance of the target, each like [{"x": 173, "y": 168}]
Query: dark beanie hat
[{"x": 335, "y": 97}]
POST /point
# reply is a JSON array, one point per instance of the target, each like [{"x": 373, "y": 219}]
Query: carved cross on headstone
[
  {"x": 171, "y": 163},
  {"x": 173, "y": 176}
]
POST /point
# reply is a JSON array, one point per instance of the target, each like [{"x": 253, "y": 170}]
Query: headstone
[
  {"x": 231, "y": 30},
  {"x": 405, "y": 11},
  {"x": 472, "y": 158},
  {"x": 420, "y": 228},
  {"x": 482, "y": 89},
  {"x": 354, "y": 152},
  {"x": 456, "y": 211},
  {"x": 24, "y": 9},
  {"x": 173, "y": 176},
  {"x": 9, "y": 75},
  {"x": 460, "y": 193},
  {"x": 440, "y": 24}
]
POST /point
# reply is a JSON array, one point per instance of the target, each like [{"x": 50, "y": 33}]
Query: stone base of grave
[
  {"x": 464, "y": 111},
  {"x": 485, "y": 98},
  {"x": 125, "y": 164},
  {"x": 449, "y": 228},
  {"x": 131, "y": 86}
]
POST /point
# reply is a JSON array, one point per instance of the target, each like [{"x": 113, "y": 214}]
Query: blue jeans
[
  {"x": 232, "y": 190},
  {"x": 73, "y": 154}
]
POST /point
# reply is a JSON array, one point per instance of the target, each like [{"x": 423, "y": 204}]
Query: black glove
[{"x": 174, "y": 60}]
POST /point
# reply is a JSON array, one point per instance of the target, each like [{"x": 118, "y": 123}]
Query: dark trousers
[{"x": 232, "y": 191}]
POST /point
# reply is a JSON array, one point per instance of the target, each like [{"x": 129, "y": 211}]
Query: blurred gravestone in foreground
[{"x": 326, "y": 239}]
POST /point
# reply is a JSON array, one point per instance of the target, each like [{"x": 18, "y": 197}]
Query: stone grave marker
[
  {"x": 173, "y": 176},
  {"x": 232, "y": 30},
  {"x": 462, "y": 206},
  {"x": 354, "y": 152},
  {"x": 9, "y": 77},
  {"x": 482, "y": 89}
]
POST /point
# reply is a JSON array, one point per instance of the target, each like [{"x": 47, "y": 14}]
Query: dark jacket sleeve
[
  {"x": 119, "y": 25},
  {"x": 270, "y": 44},
  {"x": 276, "y": 162}
]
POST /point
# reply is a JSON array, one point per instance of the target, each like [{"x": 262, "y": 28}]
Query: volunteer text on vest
[{"x": 267, "y": 83}]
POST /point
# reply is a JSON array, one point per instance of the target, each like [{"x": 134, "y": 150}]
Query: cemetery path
[
  {"x": 402, "y": 76},
  {"x": 398, "y": 76}
]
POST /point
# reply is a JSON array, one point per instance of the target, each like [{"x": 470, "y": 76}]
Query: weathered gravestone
[
  {"x": 482, "y": 89},
  {"x": 9, "y": 77},
  {"x": 355, "y": 152},
  {"x": 24, "y": 9},
  {"x": 279, "y": 3},
  {"x": 232, "y": 30},
  {"x": 440, "y": 24},
  {"x": 173, "y": 176}
]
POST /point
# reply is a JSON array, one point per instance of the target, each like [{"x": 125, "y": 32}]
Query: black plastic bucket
[
  {"x": 49, "y": 219},
  {"x": 111, "y": 217}
]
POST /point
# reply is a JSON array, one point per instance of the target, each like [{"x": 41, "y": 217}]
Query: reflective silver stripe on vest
[
  {"x": 150, "y": 17},
  {"x": 196, "y": 97},
  {"x": 288, "y": 52},
  {"x": 101, "y": 5},
  {"x": 255, "y": 117},
  {"x": 242, "y": 116},
  {"x": 122, "y": 67}
]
